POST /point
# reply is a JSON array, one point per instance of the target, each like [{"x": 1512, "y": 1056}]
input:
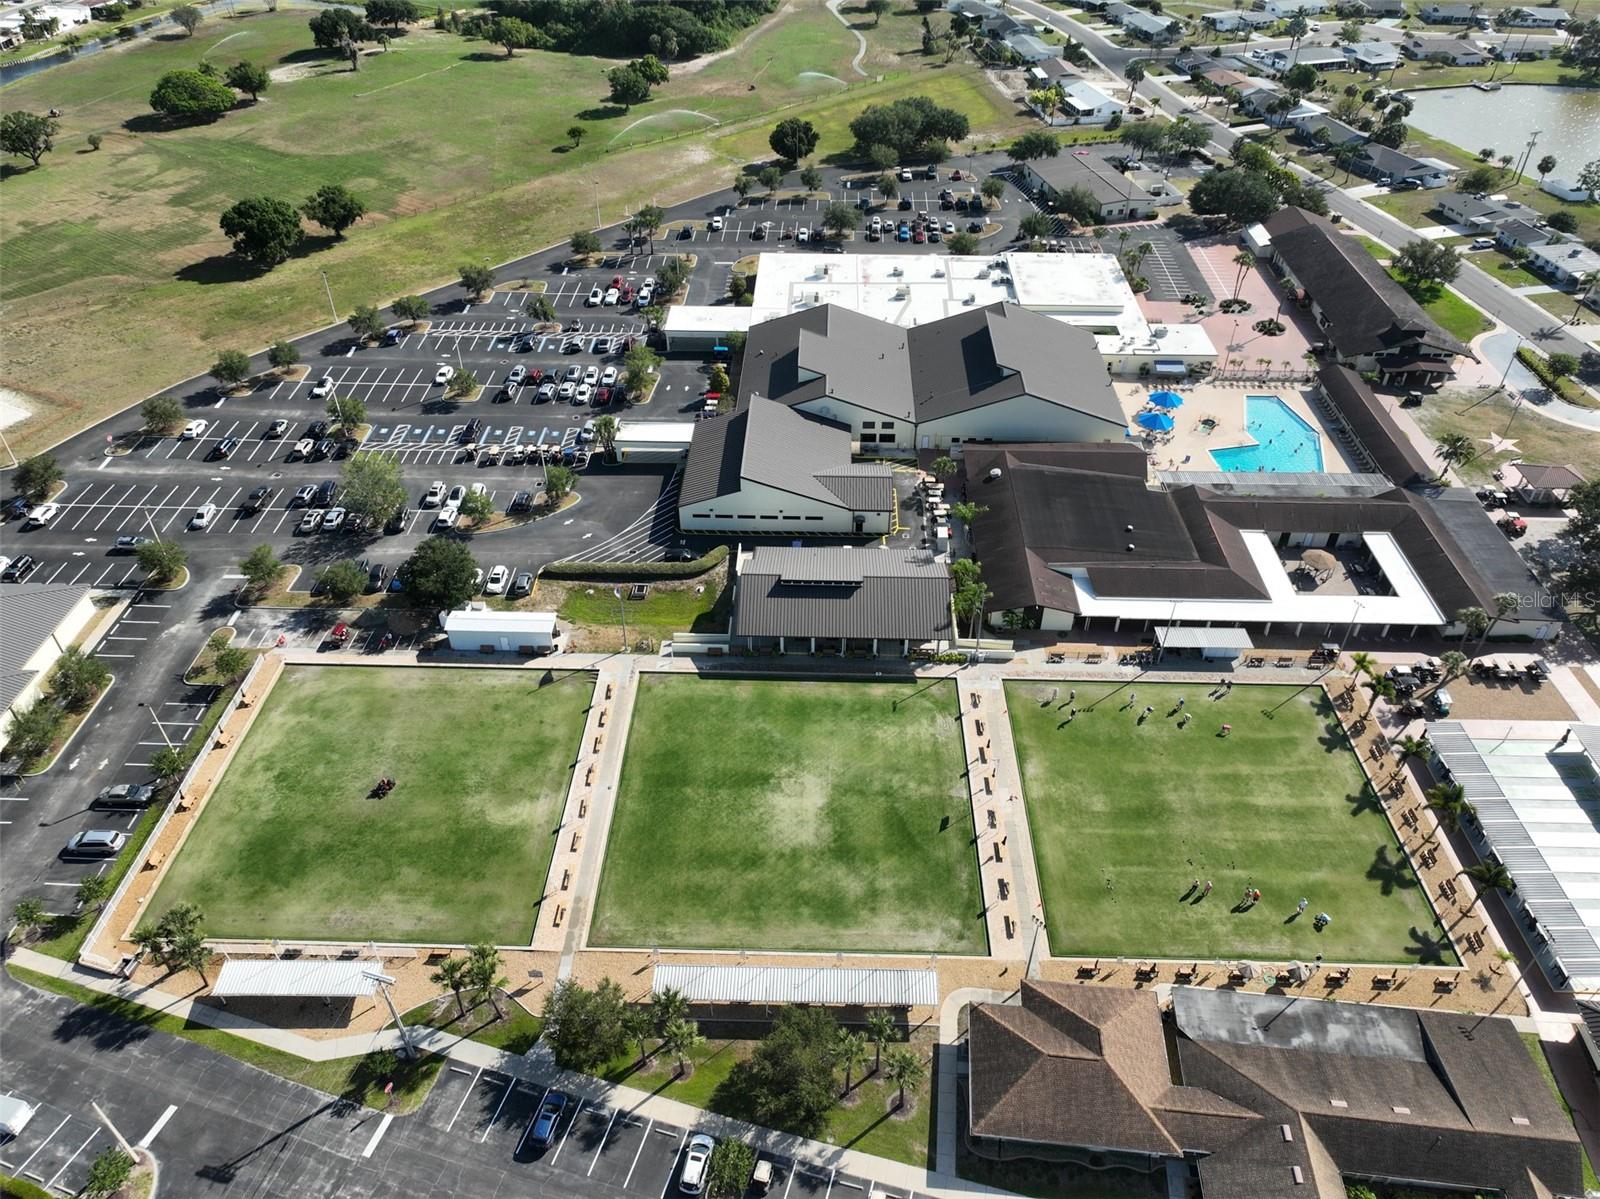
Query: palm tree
[
  {"x": 1364, "y": 664},
  {"x": 1456, "y": 449},
  {"x": 1381, "y": 688},
  {"x": 680, "y": 1038},
  {"x": 1413, "y": 747},
  {"x": 668, "y": 1005},
  {"x": 605, "y": 432},
  {"x": 1134, "y": 73},
  {"x": 1448, "y": 802},
  {"x": 1490, "y": 875},
  {"x": 1474, "y": 622},
  {"x": 881, "y": 1029},
  {"x": 1244, "y": 260},
  {"x": 905, "y": 1069},
  {"x": 851, "y": 1053},
  {"x": 484, "y": 977},
  {"x": 637, "y": 1025},
  {"x": 1454, "y": 662},
  {"x": 452, "y": 973}
]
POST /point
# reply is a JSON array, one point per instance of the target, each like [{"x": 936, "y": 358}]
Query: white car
[
  {"x": 457, "y": 494},
  {"x": 716, "y": 222},
  {"x": 608, "y": 376},
  {"x": 587, "y": 432},
  {"x": 322, "y": 388},
  {"x": 564, "y": 392},
  {"x": 194, "y": 429},
  {"x": 435, "y": 494},
  {"x": 1483, "y": 243},
  {"x": 696, "y": 1164},
  {"x": 583, "y": 394},
  {"x": 42, "y": 515},
  {"x": 277, "y": 429},
  {"x": 612, "y": 296},
  {"x": 646, "y": 294},
  {"x": 595, "y": 296},
  {"x": 592, "y": 375},
  {"x": 802, "y": 234},
  {"x": 302, "y": 448},
  {"x": 202, "y": 516},
  {"x": 477, "y": 489},
  {"x": 442, "y": 375},
  {"x": 447, "y": 517},
  {"x": 498, "y": 578},
  {"x": 333, "y": 519},
  {"x": 311, "y": 521}
]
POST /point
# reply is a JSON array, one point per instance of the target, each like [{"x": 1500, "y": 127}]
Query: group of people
[{"x": 385, "y": 785}]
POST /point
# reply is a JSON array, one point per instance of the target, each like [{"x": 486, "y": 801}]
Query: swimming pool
[{"x": 1283, "y": 440}]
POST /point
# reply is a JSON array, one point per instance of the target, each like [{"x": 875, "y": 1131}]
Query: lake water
[{"x": 1568, "y": 120}]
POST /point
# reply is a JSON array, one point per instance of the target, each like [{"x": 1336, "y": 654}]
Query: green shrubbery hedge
[{"x": 635, "y": 572}]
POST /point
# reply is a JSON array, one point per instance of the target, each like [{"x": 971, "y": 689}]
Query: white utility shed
[{"x": 477, "y": 630}]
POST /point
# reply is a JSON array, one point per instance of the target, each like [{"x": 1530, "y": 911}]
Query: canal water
[{"x": 1566, "y": 118}]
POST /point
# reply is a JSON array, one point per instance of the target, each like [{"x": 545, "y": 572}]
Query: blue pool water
[{"x": 1284, "y": 440}]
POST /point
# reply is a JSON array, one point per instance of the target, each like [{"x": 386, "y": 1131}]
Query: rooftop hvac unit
[
  {"x": 994, "y": 472},
  {"x": 938, "y": 273},
  {"x": 972, "y": 298}
]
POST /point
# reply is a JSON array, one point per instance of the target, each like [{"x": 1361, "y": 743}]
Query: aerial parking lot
[
  {"x": 833, "y": 816},
  {"x": 293, "y": 844}
]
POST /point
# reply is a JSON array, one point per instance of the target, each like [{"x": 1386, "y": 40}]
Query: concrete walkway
[{"x": 536, "y": 1068}]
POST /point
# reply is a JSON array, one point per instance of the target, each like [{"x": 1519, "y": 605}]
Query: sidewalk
[{"x": 537, "y": 1069}]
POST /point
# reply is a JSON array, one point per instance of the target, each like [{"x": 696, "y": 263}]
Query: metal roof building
[
  {"x": 297, "y": 978},
  {"x": 39, "y": 621},
  {"x": 797, "y": 597},
  {"x": 1535, "y": 791},
  {"x": 834, "y": 986}
]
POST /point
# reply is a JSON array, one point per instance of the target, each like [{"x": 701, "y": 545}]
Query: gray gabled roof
[
  {"x": 32, "y": 613},
  {"x": 843, "y": 591},
  {"x": 828, "y": 351},
  {"x": 769, "y": 443},
  {"x": 1103, "y": 182}
]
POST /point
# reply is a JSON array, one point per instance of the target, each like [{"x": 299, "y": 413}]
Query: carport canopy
[
  {"x": 298, "y": 978},
  {"x": 801, "y": 984},
  {"x": 1198, "y": 637}
]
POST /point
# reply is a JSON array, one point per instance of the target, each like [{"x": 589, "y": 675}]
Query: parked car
[
  {"x": 457, "y": 494},
  {"x": 517, "y": 375},
  {"x": 647, "y": 292},
  {"x": 325, "y": 492},
  {"x": 95, "y": 843},
  {"x": 325, "y": 448},
  {"x": 595, "y": 296},
  {"x": 194, "y": 429},
  {"x": 322, "y": 388},
  {"x": 333, "y": 519},
  {"x": 317, "y": 430},
  {"x": 303, "y": 496},
  {"x": 258, "y": 499},
  {"x": 15, "y": 507},
  {"x": 392, "y": 336},
  {"x": 203, "y": 516},
  {"x": 546, "y": 392},
  {"x": 277, "y": 429},
  {"x": 376, "y": 574},
  {"x": 613, "y": 294},
  {"x": 592, "y": 375},
  {"x": 497, "y": 580},
  {"x": 582, "y": 394},
  {"x": 129, "y": 543},
  {"x": 522, "y": 585},
  {"x": 448, "y": 515},
  {"x": 696, "y": 1164},
  {"x": 19, "y": 568},
  {"x": 521, "y": 502},
  {"x": 442, "y": 375},
  {"x": 398, "y": 520},
  {"x": 310, "y": 522},
  {"x": 124, "y": 796},
  {"x": 541, "y": 1130},
  {"x": 42, "y": 515},
  {"x": 565, "y": 391},
  {"x": 572, "y": 374}
]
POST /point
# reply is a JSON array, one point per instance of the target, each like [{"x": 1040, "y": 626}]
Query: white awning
[
  {"x": 1163, "y": 367},
  {"x": 297, "y": 978},
  {"x": 801, "y": 984},
  {"x": 1195, "y": 637}
]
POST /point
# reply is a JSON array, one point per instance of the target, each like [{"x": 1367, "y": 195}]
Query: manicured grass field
[
  {"x": 789, "y": 815},
  {"x": 1538, "y": 439},
  {"x": 290, "y": 845},
  {"x": 1124, "y": 815}
]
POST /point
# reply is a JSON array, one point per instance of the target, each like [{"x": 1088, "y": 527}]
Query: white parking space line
[
  {"x": 666, "y": 1186},
  {"x": 601, "y": 1146},
  {"x": 570, "y": 1125},
  {"x": 629, "y": 1178},
  {"x": 383, "y": 1127},
  {"x": 510, "y": 1083},
  {"x": 155, "y": 1129},
  {"x": 43, "y": 1143},
  {"x": 55, "y": 1178}
]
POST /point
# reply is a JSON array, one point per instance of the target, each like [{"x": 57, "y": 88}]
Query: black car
[
  {"x": 324, "y": 496},
  {"x": 470, "y": 431},
  {"x": 523, "y": 344},
  {"x": 15, "y": 508},
  {"x": 758, "y": 234},
  {"x": 874, "y": 235},
  {"x": 318, "y": 428},
  {"x": 258, "y": 499},
  {"x": 521, "y": 502},
  {"x": 344, "y": 447},
  {"x": 905, "y": 204},
  {"x": 21, "y": 567},
  {"x": 129, "y": 544},
  {"x": 974, "y": 226},
  {"x": 686, "y": 234},
  {"x": 323, "y": 449},
  {"x": 225, "y": 447},
  {"x": 376, "y": 575},
  {"x": 391, "y": 337},
  {"x": 398, "y": 519},
  {"x": 125, "y": 795}
]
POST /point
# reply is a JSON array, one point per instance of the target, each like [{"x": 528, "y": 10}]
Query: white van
[{"x": 15, "y": 1115}]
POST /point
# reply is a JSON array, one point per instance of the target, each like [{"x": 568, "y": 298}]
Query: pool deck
[{"x": 1188, "y": 446}]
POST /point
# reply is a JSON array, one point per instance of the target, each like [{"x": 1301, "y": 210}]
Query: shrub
[{"x": 635, "y": 572}]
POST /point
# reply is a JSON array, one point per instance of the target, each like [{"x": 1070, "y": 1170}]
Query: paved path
[{"x": 855, "y": 63}]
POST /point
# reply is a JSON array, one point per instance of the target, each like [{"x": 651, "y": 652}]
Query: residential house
[
  {"x": 1535, "y": 18},
  {"x": 770, "y": 468},
  {"x": 1390, "y": 166},
  {"x": 1085, "y": 104},
  {"x": 1563, "y": 189},
  {"x": 1373, "y": 56},
  {"x": 1568, "y": 262},
  {"x": 1117, "y": 13},
  {"x": 1148, "y": 27},
  {"x": 1000, "y": 372},
  {"x": 1120, "y": 199},
  {"x": 1265, "y": 1095},
  {"x": 1052, "y": 71},
  {"x": 1284, "y": 9},
  {"x": 987, "y": 17},
  {"x": 1319, "y": 129},
  {"x": 1525, "y": 234},
  {"x": 1371, "y": 323},
  {"x": 1323, "y": 58},
  {"x": 1237, "y": 22},
  {"x": 1481, "y": 213},
  {"x": 1259, "y": 96},
  {"x": 1524, "y": 47},
  {"x": 1438, "y": 47},
  {"x": 1450, "y": 14},
  {"x": 1222, "y": 78},
  {"x": 1028, "y": 47},
  {"x": 844, "y": 599},
  {"x": 1194, "y": 62},
  {"x": 1377, "y": 8}
]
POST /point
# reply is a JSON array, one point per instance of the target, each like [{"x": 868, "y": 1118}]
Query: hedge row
[
  {"x": 1562, "y": 386},
  {"x": 635, "y": 572}
]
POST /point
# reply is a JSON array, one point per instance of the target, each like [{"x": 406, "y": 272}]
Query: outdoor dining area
[{"x": 1156, "y": 419}]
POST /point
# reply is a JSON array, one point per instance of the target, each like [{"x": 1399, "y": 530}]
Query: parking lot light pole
[
  {"x": 1038, "y": 926},
  {"x": 383, "y": 981},
  {"x": 329, "y": 288},
  {"x": 596, "y": 184}
]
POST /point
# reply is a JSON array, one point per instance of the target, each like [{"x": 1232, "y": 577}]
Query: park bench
[
  {"x": 1186, "y": 974},
  {"x": 1090, "y": 971},
  {"x": 1338, "y": 978}
]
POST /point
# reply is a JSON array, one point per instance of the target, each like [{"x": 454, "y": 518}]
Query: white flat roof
[
  {"x": 1410, "y": 605},
  {"x": 709, "y": 318},
  {"x": 801, "y": 984},
  {"x": 485, "y": 620},
  {"x": 658, "y": 432},
  {"x": 297, "y": 978}
]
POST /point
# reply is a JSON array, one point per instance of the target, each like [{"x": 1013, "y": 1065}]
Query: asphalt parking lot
[{"x": 56, "y": 1149}]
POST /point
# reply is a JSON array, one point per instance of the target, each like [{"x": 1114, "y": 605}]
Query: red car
[
  {"x": 602, "y": 397},
  {"x": 627, "y": 294},
  {"x": 919, "y": 237},
  {"x": 616, "y": 282},
  {"x": 535, "y": 375}
]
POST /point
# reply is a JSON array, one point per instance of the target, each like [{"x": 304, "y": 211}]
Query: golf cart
[
  {"x": 1324, "y": 655},
  {"x": 337, "y": 636},
  {"x": 1404, "y": 680},
  {"x": 1440, "y": 702},
  {"x": 1512, "y": 525}
]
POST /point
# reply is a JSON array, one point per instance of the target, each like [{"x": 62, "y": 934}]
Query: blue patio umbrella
[
  {"x": 1166, "y": 399},
  {"x": 1158, "y": 421}
]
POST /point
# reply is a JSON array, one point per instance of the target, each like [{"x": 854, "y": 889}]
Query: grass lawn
[
  {"x": 1537, "y": 438},
  {"x": 779, "y": 815},
  {"x": 1454, "y": 314},
  {"x": 289, "y": 845},
  {"x": 1498, "y": 266},
  {"x": 463, "y": 156},
  {"x": 515, "y": 1031},
  {"x": 1536, "y": 1051},
  {"x": 344, "y": 1076},
  {"x": 594, "y": 615},
  {"x": 1561, "y": 305},
  {"x": 1124, "y": 815}
]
